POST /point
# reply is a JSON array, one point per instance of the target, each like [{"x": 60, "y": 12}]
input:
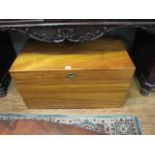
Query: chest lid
[{"x": 105, "y": 53}]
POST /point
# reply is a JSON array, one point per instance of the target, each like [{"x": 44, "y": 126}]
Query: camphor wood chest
[{"x": 95, "y": 74}]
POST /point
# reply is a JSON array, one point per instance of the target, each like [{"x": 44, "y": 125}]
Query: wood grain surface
[
  {"x": 100, "y": 54},
  {"x": 135, "y": 104},
  {"x": 102, "y": 74}
]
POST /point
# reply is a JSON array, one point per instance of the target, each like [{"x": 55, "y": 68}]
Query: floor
[{"x": 142, "y": 107}]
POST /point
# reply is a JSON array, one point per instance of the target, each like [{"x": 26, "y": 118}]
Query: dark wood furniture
[
  {"x": 70, "y": 30},
  {"x": 143, "y": 55},
  {"x": 7, "y": 56}
]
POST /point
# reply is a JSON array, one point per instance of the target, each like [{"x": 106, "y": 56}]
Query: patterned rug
[{"x": 36, "y": 124}]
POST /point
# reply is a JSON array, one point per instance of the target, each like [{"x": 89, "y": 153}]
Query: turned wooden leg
[
  {"x": 4, "y": 83},
  {"x": 7, "y": 56},
  {"x": 145, "y": 86},
  {"x": 144, "y": 91},
  {"x": 144, "y": 58}
]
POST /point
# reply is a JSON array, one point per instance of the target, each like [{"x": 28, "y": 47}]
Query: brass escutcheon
[{"x": 71, "y": 75}]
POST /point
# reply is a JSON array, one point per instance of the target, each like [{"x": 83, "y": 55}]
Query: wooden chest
[{"x": 95, "y": 74}]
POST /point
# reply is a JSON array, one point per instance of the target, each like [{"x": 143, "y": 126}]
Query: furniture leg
[
  {"x": 7, "y": 56},
  {"x": 144, "y": 58}
]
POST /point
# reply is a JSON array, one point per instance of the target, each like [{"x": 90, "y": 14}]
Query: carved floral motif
[
  {"x": 58, "y": 34},
  {"x": 69, "y": 34}
]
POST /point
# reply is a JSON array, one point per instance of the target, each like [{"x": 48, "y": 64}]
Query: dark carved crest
[
  {"x": 77, "y": 33},
  {"x": 70, "y": 34}
]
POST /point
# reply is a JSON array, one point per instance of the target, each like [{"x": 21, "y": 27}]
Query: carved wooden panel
[
  {"x": 66, "y": 33},
  {"x": 72, "y": 30},
  {"x": 77, "y": 33}
]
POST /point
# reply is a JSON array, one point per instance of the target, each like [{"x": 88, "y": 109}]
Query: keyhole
[{"x": 71, "y": 75}]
